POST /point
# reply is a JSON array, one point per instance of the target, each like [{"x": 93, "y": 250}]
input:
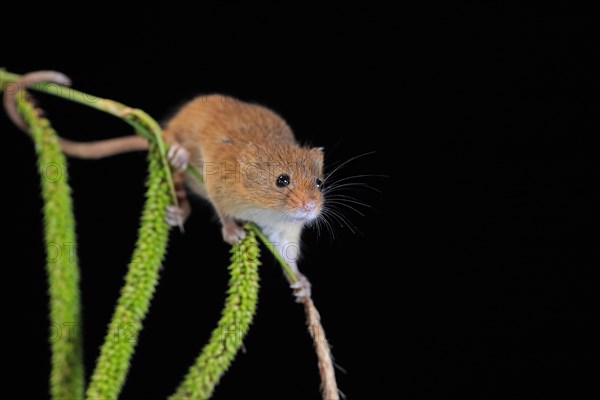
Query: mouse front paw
[
  {"x": 178, "y": 157},
  {"x": 175, "y": 216},
  {"x": 232, "y": 232},
  {"x": 302, "y": 288}
]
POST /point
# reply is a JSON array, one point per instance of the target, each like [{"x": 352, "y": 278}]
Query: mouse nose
[{"x": 309, "y": 205}]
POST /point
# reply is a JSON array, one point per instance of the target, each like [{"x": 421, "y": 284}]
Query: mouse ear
[{"x": 319, "y": 154}]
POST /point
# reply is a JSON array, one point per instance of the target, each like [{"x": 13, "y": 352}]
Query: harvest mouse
[{"x": 253, "y": 168}]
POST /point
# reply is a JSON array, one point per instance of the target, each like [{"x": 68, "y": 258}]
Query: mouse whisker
[
  {"x": 317, "y": 226},
  {"x": 320, "y": 225},
  {"x": 341, "y": 219},
  {"x": 341, "y": 197},
  {"x": 329, "y": 227},
  {"x": 347, "y": 206},
  {"x": 327, "y": 224},
  {"x": 335, "y": 218},
  {"x": 361, "y": 176},
  {"x": 345, "y": 163},
  {"x": 354, "y": 185}
]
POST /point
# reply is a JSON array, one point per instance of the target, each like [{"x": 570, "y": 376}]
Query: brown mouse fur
[{"x": 242, "y": 149}]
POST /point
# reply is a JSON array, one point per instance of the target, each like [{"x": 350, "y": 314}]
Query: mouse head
[{"x": 284, "y": 180}]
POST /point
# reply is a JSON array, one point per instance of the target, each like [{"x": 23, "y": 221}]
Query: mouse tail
[
  {"x": 103, "y": 148},
  {"x": 92, "y": 150}
]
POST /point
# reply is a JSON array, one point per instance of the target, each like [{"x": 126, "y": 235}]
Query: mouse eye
[
  {"x": 283, "y": 180},
  {"x": 319, "y": 184}
]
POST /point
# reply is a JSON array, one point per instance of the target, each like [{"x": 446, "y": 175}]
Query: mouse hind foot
[
  {"x": 178, "y": 157},
  {"x": 232, "y": 230},
  {"x": 177, "y": 215}
]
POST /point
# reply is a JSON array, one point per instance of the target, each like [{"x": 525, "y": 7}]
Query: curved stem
[
  {"x": 226, "y": 339},
  {"x": 144, "y": 125},
  {"x": 315, "y": 328},
  {"x": 142, "y": 277},
  {"x": 286, "y": 268},
  {"x": 141, "y": 280},
  {"x": 67, "y": 375}
]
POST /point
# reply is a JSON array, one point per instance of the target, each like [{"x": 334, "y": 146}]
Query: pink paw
[
  {"x": 174, "y": 216},
  {"x": 178, "y": 157},
  {"x": 301, "y": 288},
  {"x": 233, "y": 232}
]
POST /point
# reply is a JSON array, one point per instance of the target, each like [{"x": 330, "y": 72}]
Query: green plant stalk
[
  {"x": 140, "y": 283},
  {"x": 143, "y": 124},
  {"x": 237, "y": 315},
  {"x": 142, "y": 278},
  {"x": 67, "y": 375},
  {"x": 286, "y": 268}
]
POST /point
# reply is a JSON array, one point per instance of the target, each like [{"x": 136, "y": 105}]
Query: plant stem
[
  {"x": 67, "y": 375},
  {"x": 237, "y": 315},
  {"x": 145, "y": 125},
  {"x": 288, "y": 271},
  {"x": 329, "y": 387},
  {"x": 313, "y": 320},
  {"x": 140, "y": 283},
  {"x": 142, "y": 278}
]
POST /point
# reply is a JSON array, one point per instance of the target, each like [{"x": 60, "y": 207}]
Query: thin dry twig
[{"x": 313, "y": 320}]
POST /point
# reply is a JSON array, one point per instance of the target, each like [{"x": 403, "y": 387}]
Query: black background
[{"x": 470, "y": 275}]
